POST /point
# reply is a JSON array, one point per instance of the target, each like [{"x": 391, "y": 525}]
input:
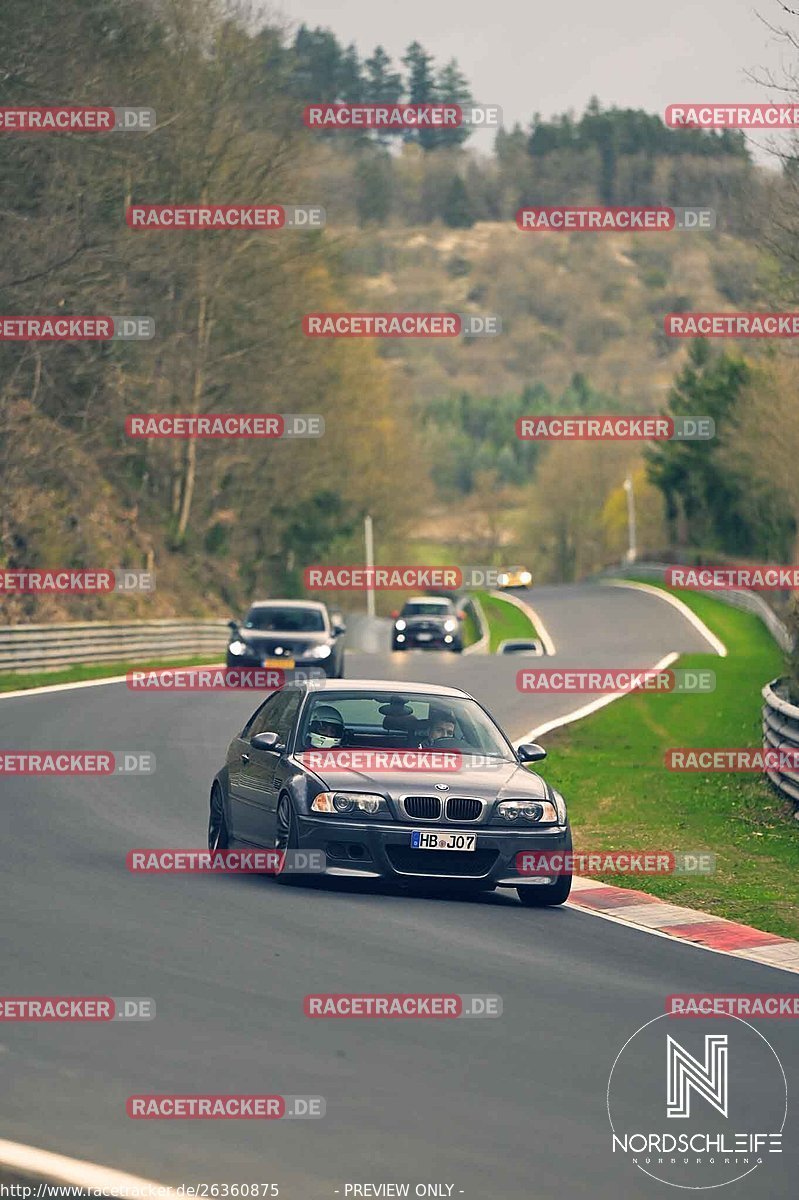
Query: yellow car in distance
[{"x": 514, "y": 577}]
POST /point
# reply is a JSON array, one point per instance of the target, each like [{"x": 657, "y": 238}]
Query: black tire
[
  {"x": 218, "y": 837},
  {"x": 286, "y": 838},
  {"x": 543, "y": 895}
]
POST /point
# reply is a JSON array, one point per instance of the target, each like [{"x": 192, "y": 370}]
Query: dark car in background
[
  {"x": 288, "y": 634},
  {"x": 428, "y": 623},
  {"x": 348, "y": 769}
]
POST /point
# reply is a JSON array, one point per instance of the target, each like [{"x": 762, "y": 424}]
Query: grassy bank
[
  {"x": 504, "y": 619},
  {"x": 17, "y": 681},
  {"x": 610, "y": 768}
]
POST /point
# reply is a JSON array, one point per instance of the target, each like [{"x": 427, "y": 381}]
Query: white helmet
[{"x": 327, "y": 728}]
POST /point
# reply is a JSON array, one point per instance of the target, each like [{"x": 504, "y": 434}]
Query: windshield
[
  {"x": 427, "y": 608},
  {"x": 285, "y": 620},
  {"x": 393, "y": 720}
]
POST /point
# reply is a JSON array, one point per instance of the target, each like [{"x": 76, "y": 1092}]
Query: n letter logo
[{"x": 708, "y": 1079}]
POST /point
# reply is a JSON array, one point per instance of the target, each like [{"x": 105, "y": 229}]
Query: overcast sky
[{"x": 525, "y": 55}]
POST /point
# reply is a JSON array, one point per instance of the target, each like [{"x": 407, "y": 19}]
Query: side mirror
[
  {"x": 394, "y": 614},
  {"x": 531, "y": 752},
  {"x": 266, "y": 741},
  {"x": 233, "y": 626},
  {"x": 338, "y": 628},
  {"x": 460, "y": 614}
]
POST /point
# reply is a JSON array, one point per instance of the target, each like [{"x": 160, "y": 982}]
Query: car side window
[
  {"x": 276, "y": 715},
  {"x": 287, "y": 716},
  {"x": 262, "y": 717}
]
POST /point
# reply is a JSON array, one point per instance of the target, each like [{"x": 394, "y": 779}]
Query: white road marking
[
  {"x": 532, "y": 615},
  {"x": 75, "y": 1171},
  {"x": 587, "y": 709},
  {"x": 690, "y": 616}
]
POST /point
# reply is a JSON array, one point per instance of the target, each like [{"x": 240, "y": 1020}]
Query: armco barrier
[
  {"x": 781, "y": 732},
  {"x": 26, "y": 647}
]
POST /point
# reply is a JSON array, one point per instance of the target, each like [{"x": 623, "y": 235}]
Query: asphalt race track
[{"x": 505, "y": 1108}]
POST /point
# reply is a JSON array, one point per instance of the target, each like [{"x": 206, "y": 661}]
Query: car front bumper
[
  {"x": 371, "y": 849},
  {"x": 436, "y": 642},
  {"x": 329, "y": 665}
]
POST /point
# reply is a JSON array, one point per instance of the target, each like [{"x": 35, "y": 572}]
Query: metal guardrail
[
  {"x": 26, "y": 647},
  {"x": 781, "y": 732},
  {"x": 749, "y": 602}
]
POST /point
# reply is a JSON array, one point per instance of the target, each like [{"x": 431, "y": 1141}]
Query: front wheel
[
  {"x": 542, "y": 895},
  {"x": 218, "y": 837},
  {"x": 286, "y": 837}
]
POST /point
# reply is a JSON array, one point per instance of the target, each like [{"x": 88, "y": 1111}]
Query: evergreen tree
[{"x": 456, "y": 208}]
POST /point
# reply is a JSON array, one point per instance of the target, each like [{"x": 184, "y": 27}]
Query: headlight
[
  {"x": 525, "y": 577},
  {"x": 399, "y": 624},
  {"x": 238, "y": 647},
  {"x": 449, "y": 624},
  {"x": 530, "y": 812},
  {"x": 316, "y": 652},
  {"x": 560, "y": 805},
  {"x": 503, "y": 579},
  {"x": 360, "y": 804}
]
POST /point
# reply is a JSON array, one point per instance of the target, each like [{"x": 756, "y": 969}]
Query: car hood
[
  {"x": 257, "y": 637},
  {"x": 494, "y": 780},
  {"x": 413, "y": 622}
]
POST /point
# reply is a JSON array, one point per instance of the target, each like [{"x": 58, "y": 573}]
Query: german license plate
[
  {"x": 434, "y": 839},
  {"x": 287, "y": 663}
]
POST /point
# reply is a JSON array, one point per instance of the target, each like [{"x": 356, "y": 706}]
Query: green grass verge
[
  {"x": 16, "y": 681},
  {"x": 471, "y": 630},
  {"x": 610, "y": 769},
  {"x": 505, "y": 620}
]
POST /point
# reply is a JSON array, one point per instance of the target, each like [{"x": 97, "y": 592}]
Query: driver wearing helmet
[{"x": 326, "y": 728}]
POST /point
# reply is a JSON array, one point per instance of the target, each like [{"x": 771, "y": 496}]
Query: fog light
[
  {"x": 447, "y": 637},
  {"x": 400, "y": 637}
]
